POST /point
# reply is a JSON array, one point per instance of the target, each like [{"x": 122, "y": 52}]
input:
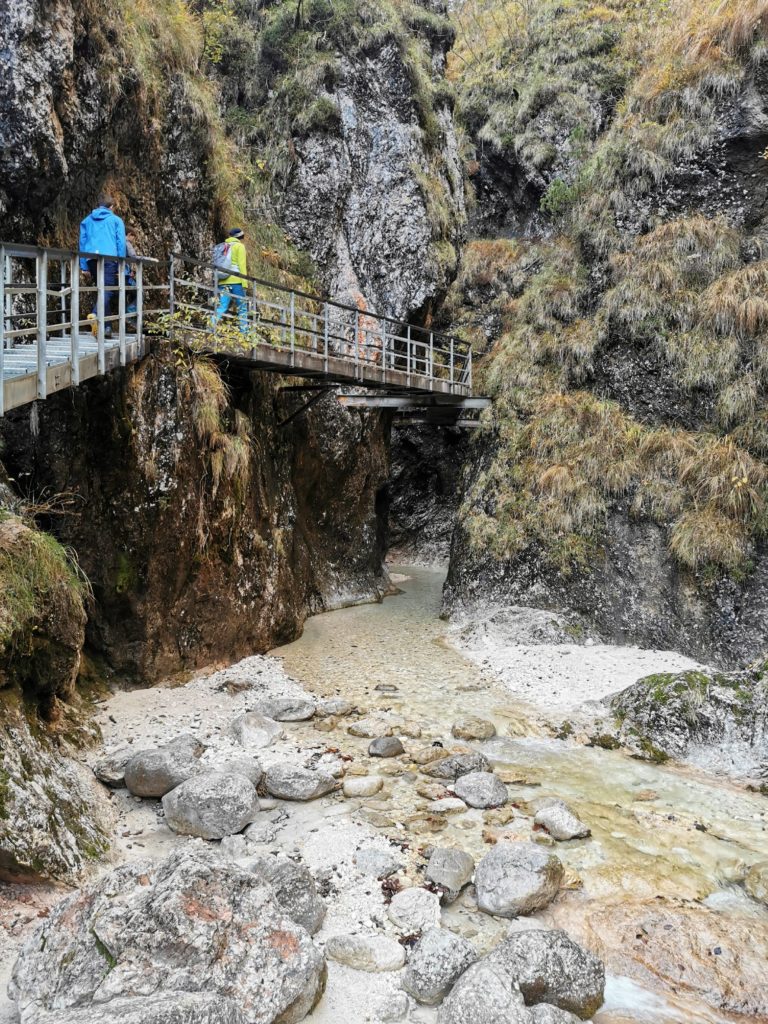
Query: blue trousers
[
  {"x": 228, "y": 293},
  {"x": 110, "y": 288}
]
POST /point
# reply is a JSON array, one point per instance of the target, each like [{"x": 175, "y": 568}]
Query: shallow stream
[{"x": 665, "y": 840}]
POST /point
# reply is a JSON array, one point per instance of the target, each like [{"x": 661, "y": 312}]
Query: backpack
[{"x": 222, "y": 260}]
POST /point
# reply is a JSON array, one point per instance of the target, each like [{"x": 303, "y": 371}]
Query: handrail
[{"x": 17, "y": 251}]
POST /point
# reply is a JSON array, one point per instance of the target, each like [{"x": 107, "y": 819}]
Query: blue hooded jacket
[{"x": 102, "y": 232}]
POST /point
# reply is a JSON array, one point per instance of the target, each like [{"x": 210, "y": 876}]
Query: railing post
[
  {"x": 171, "y": 295},
  {"x": 469, "y": 369},
  {"x": 121, "y": 309},
  {"x": 3, "y": 266},
  {"x": 408, "y": 355},
  {"x": 139, "y": 305},
  {"x": 293, "y": 328},
  {"x": 63, "y": 295},
  {"x": 42, "y": 323},
  {"x": 384, "y": 346},
  {"x": 431, "y": 372},
  {"x": 255, "y": 309},
  {"x": 451, "y": 376},
  {"x": 357, "y": 344},
  {"x": 74, "y": 317},
  {"x": 326, "y": 333},
  {"x": 100, "y": 304}
]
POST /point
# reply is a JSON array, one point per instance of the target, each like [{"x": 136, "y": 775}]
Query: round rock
[
  {"x": 247, "y": 766},
  {"x": 517, "y": 878},
  {"x": 255, "y": 731},
  {"x": 437, "y": 960},
  {"x": 471, "y": 728},
  {"x": 481, "y": 789},
  {"x": 292, "y": 782},
  {"x": 362, "y": 785},
  {"x": 287, "y": 709},
  {"x": 386, "y": 746},
  {"x": 483, "y": 995},
  {"x": 211, "y": 806},
  {"x": 414, "y": 910},
  {"x": 451, "y": 869},
  {"x": 560, "y": 821},
  {"x": 153, "y": 773},
  {"x": 455, "y": 765},
  {"x": 549, "y": 967},
  {"x": 374, "y": 953},
  {"x": 376, "y": 862},
  {"x": 111, "y": 769}
]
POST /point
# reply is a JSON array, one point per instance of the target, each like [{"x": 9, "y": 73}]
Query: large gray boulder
[
  {"x": 451, "y": 869},
  {"x": 162, "y": 1009},
  {"x": 294, "y": 889},
  {"x": 189, "y": 929},
  {"x": 287, "y": 709},
  {"x": 546, "y": 1014},
  {"x": 549, "y": 967},
  {"x": 483, "y": 995},
  {"x": 110, "y": 769},
  {"x": 255, "y": 731},
  {"x": 437, "y": 960},
  {"x": 455, "y": 765},
  {"x": 211, "y": 806},
  {"x": 292, "y": 782},
  {"x": 247, "y": 766},
  {"x": 481, "y": 789},
  {"x": 560, "y": 821},
  {"x": 517, "y": 878},
  {"x": 153, "y": 773}
]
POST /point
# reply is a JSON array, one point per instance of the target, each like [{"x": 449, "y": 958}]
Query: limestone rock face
[
  {"x": 211, "y": 805},
  {"x": 550, "y": 968},
  {"x": 188, "y": 928},
  {"x": 153, "y": 773},
  {"x": 517, "y": 878}
]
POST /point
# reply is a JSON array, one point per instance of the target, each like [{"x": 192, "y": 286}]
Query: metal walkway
[{"x": 48, "y": 342}]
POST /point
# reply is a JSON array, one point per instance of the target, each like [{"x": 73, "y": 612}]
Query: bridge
[{"x": 59, "y": 328}]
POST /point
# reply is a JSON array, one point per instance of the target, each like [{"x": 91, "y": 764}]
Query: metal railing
[{"x": 53, "y": 314}]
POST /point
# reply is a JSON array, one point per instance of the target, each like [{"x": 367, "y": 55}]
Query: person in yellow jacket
[{"x": 232, "y": 286}]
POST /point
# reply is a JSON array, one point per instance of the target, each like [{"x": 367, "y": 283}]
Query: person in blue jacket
[{"x": 103, "y": 233}]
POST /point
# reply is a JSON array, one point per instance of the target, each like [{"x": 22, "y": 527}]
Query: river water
[{"x": 664, "y": 839}]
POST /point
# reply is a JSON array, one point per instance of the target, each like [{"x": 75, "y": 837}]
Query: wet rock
[
  {"x": 333, "y": 707},
  {"x": 374, "y": 953},
  {"x": 111, "y": 769},
  {"x": 455, "y": 765},
  {"x": 451, "y": 869},
  {"x": 377, "y": 863},
  {"x": 292, "y": 782},
  {"x": 448, "y": 805},
  {"x": 481, "y": 789},
  {"x": 756, "y": 882},
  {"x": 560, "y": 821},
  {"x": 386, "y": 746},
  {"x": 424, "y": 755},
  {"x": 414, "y": 910},
  {"x": 483, "y": 995},
  {"x": 211, "y": 806},
  {"x": 437, "y": 960},
  {"x": 517, "y": 878},
  {"x": 362, "y": 785},
  {"x": 545, "y": 1014},
  {"x": 294, "y": 888},
  {"x": 411, "y": 729},
  {"x": 247, "y": 766},
  {"x": 287, "y": 709},
  {"x": 255, "y": 731},
  {"x": 190, "y": 921},
  {"x": 153, "y": 773},
  {"x": 471, "y": 728},
  {"x": 549, "y": 967}
]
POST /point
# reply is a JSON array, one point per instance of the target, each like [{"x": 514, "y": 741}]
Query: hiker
[
  {"x": 230, "y": 260},
  {"x": 103, "y": 232}
]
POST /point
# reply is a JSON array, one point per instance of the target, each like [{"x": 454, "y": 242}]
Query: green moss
[
  {"x": 126, "y": 576},
  {"x": 565, "y": 730},
  {"x": 604, "y": 740},
  {"x": 104, "y": 951}
]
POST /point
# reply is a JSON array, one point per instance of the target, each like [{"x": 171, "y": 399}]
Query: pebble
[
  {"x": 471, "y": 728},
  {"x": 451, "y": 869},
  {"x": 448, "y": 805},
  {"x": 363, "y": 785},
  {"x": 386, "y": 746}
]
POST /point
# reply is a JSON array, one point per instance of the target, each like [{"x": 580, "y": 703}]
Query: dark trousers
[{"x": 111, "y": 299}]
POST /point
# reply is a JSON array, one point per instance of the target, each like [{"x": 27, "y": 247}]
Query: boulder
[
  {"x": 362, "y": 785},
  {"x": 451, "y": 869},
  {"x": 455, "y": 765},
  {"x": 560, "y": 821},
  {"x": 176, "y": 1008},
  {"x": 386, "y": 746},
  {"x": 437, "y": 960},
  {"x": 247, "y": 766},
  {"x": 395, "y": 1007},
  {"x": 377, "y": 863},
  {"x": 333, "y": 707},
  {"x": 287, "y": 709},
  {"x": 294, "y": 889},
  {"x": 414, "y": 910},
  {"x": 481, "y": 789},
  {"x": 517, "y": 878},
  {"x": 471, "y": 728},
  {"x": 211, "y": 806},
  {"x": 549, "y": 967},
  {"x": 483, "y": 995},
  {"x": 546, "y": 1014},
  {"x": 190, "y": 928},
  {"x": 110, "y": 769},
  {"x": 756, "y": 882},
  {"x": 153, "y": 773},
  {"x": 255, "y": 731},
  {"x": 373, "y": 953},
  {"x": 292, "y": 782}
]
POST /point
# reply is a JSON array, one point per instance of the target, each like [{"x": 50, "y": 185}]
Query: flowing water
[{"x": 662, "y": 836}]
